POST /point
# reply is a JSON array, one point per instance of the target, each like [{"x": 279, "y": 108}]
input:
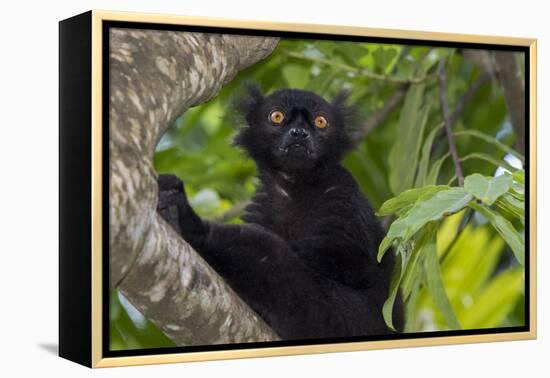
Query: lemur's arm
[
  {"x": 245, "y": 255},
  {"x": 232, "y": 250}
]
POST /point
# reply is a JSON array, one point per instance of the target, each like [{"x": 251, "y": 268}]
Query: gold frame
[{"x": 96, "y": 264}]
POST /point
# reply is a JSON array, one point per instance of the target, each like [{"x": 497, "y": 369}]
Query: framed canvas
[{"x": 235, "y": 189}]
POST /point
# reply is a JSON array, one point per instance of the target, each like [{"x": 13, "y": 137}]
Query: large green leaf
[
  {"x": 411, "y": 305},
  {"x": 413, "y": 268},
  {"x": 424, "y": 162},
  {"x": 505, "y": 229},
  {"x": 435, "y": 169},
  {"x": 444, "y": 202},
  {"x": 487, "y": 189},
  {"x": 435, "y": 283},
  {"x": 407, "y": 198},
  {"x": 398, "y": 270},
  {"x": 404, "y": 152}
]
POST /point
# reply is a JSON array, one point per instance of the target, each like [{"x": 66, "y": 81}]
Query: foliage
[
  {"x": 459, "y": 250},
  {"x": 414, "y": 236}
]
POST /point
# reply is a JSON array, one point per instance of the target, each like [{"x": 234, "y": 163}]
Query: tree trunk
[{"x": 154, "y": 76}]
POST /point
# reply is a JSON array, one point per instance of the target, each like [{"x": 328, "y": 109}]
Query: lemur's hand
[{"x": 174, "y": 208}]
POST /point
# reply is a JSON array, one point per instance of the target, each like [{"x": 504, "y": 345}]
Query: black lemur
[{"x": 305, "y": 260}]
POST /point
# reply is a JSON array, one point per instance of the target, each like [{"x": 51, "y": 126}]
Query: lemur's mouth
[{"x": 296, "y": 149}]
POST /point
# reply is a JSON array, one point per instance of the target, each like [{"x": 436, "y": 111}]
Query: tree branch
[
  {"x": 442, "y": 73},
  {"x": 513, "y": 86},
  {"x": 154, "y": 77}
]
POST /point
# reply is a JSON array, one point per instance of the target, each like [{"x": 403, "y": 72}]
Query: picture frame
[{"x": 101, "y": 230}]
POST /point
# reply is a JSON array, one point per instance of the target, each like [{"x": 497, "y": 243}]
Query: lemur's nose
[{"x": 299, "y": 133}]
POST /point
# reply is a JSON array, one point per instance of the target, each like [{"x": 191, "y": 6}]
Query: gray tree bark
[{"x": 154, "y": 77}]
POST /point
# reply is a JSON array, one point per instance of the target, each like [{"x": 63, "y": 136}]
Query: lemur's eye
[
  {"x": 320, "y": 122},
  {"x": 276, "y": 117}
]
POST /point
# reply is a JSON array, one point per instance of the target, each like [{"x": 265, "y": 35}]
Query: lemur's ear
[
  {"x": 349, "y": 115},
  {"x": 255, "y": 93},
  {"x": 244, "y": 106},
  {"x": 248, "y": 101},
  {"x": 339, "y": 101}
]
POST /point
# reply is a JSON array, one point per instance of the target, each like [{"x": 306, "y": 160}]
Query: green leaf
[
  {"x": 411, "y": 304},
  {"x": 505, "y": 229},
  {"x": 387, "y": 308},
  {"x": 367, "y": 61},
  {"x": 488, "y": 138},
  {"x": 412, "y": 270},
  {"x": 404, "y": 152},
  {"x": 434, "y": 171},
  {"x": 513, "y": 205},
  {"x": 518, "y": 191},
  {"x": 391, "y": 66},
  {"x": 383, "y": 56},
  {"x": 425, "y": 157},
  {"x": 496, "y": 162},
  {"x": 408, "y": 197},
  {"x": 444, "y": 202},
  {"x": 435, "y": 283},
  {"x": 487, "y": 189}
]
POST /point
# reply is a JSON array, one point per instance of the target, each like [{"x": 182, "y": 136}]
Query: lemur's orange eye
[
  {"x": 320, "y": 122},
  {"x": 276, "y": 117}
]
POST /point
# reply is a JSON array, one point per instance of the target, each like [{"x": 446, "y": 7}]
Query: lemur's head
[{"x": 294, "y": 130}]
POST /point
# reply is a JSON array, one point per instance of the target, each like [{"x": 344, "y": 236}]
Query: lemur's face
[{"x": 293, "y": 130}]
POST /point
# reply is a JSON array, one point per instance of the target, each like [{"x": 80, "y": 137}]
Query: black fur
[{"x": 306, "y": 259}]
